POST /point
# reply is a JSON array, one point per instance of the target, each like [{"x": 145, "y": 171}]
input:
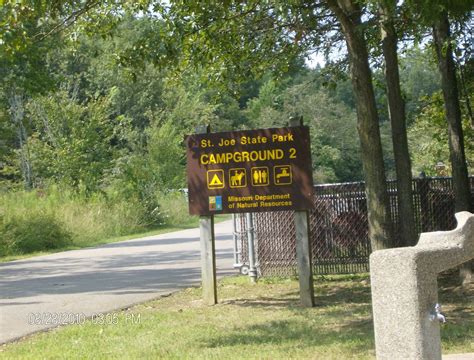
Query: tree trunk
[
  {"x": 380, "y": 232},
  {"x": 396, "y": 105},
  {"x": 462, "y": 191},
  {"x": 17, "y": 114}
]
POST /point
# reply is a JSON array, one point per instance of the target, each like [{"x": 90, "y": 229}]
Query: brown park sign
[{"x": 249, "y": 171}]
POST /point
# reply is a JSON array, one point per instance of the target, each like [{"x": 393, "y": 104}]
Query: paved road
[{"x": 102, "y": 279}]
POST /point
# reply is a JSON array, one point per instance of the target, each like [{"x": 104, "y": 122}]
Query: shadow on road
[{"x": 96, "y": 270}]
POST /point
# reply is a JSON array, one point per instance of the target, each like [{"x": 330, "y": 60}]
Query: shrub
[
  {"x": 55, "y": 217},
  {"x": 33, "y": 232},
  {"x": 97, "y": 219},
  {"x": 174, "y": 208}
]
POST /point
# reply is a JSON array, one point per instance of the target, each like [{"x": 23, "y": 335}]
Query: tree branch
[{"x": 68, "y": 21}]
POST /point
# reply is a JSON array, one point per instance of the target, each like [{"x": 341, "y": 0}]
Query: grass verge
[
  {"x": 163, "y": 229},
  {"x": 261, "y": 321},
  {"x": 32, "y": 221},
  {"x": 42, "y": 222}
]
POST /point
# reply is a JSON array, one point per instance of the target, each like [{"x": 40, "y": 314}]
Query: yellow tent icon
[{"x": 215, "y": 181}]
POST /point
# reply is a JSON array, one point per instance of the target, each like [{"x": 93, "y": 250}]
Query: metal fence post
[
  {"x": 251, "y": 246},
  {"x": 424, "y": 186},
  {"x": 235, "y": 239}
]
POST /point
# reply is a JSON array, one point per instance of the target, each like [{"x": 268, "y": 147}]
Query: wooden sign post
[
  {"x": 208, "y": 260},
  {"x": 208, "y": 250},
  {"x": 250, "y": 171},
  {"x": 303, "y": 249}
]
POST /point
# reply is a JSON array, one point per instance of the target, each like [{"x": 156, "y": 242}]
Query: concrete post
[
  {"x": 303, "y": 255},
  {"x": 405, "y": 291}
]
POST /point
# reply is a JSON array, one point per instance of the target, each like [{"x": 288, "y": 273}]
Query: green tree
[
  {"x": 71, "y": 142},
  {"x": 166, "y": 155},
  {"x": 263, "y": 109},
  {"x": 428, "y": 137},
  {"x": 437, "y": 16},
  {"x": 419, "y": 78},
  {"x": 242, "y": 40},
  {"x": 335, "y": 150},
  {"x": 154, "y": 161},
  {"x": 446, "y": 65},
  {"x": 387, "y": 12},
  {"x": 349, "y": 14}
]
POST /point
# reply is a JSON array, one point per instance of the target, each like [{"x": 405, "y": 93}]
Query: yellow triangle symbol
[{"x": 215, "y": 181}]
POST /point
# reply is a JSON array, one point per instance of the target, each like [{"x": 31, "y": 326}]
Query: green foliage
[
  {"x": 419, "y": 79},
  {"x": 9, "y": 173},
  {"x": 174, "y": 207},
  {"x": 109, "y": 96},
  {"x": 335, "y": 144},
  {"x": 166, "y": 155},
  {"x": 185, "y": 106},
  {"x": 155, "y": 163},
  {"x": 428, "y": 11},
  {"x": 91, "y": 66},
  {"x": 57, "y": 217},
  {"x": 71, "y": 141},
  {"x": 32, "y": 232},
  {"x": 428, "y": 139},
  {"x": 269, "y": 97},
  {"x": 334, "y": 141},
  {"x": 229, "y": 44},
  {"x": 24, "y": 23},
  {"x": 134, "y": 181}
]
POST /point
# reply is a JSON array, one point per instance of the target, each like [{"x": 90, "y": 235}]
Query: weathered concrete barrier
[{"x": 405, "y": 291}]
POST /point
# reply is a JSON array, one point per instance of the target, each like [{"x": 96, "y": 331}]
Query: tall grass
[
  {"x": 174, "y": 208},
  {"x": 57, "y": 218}
]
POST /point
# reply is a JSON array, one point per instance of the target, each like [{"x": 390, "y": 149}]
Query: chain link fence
[{"x": 339, "y": 227}]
